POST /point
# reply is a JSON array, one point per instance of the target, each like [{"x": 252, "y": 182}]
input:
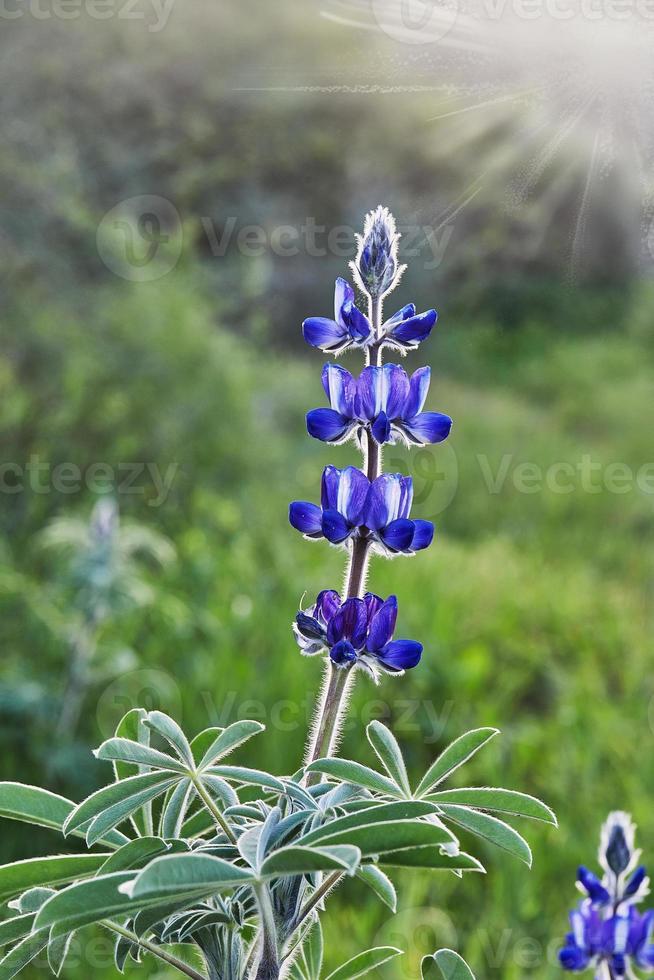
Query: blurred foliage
[{"x": 534, "y": 604}]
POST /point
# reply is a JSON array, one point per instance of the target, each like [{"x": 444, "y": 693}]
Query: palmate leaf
[
  {"x": 22, "y": 954},
  {"x": 86, "y": 902},
  {"x": 11, "y": 930},
  {"x": 489, "y": 828},
  {"x": 308, "y": 964},
  {"x": 248, "y": 777},
  {"x": 41, "y": 808},
  {"x": 363, "y": 963},
  {"x": 380, "y": 883},
  {"x": 122, "y": 798},
  {"x": 181, "y": 876},
  {"x": 431, "y": 858},
  {"x": 445, "y": 965},
  {"x": 126, "y": 750},
  {"x": 455, "y": 755},
  {"x": 296, "y": 860},
  {"x": 169, "y": 730},
  {"x": 354, "y": 772},
  {"x": 229, "y": 739},
  {"x": 384, "y": 827},
  {"x": 132, "y": 726},
  {"x": 58, "y": 870},
  {"x": 389, "y": 753},
  {"x": 135, "y": 854},
  {"x": 501, "y": 800}
]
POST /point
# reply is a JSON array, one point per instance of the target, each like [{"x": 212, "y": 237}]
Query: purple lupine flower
[
  {"x": 383, "y": 399},
  {"x": 608, "y": 934},
  {"x": 349, "y": 328},
  {"x": 356, "y": 632},
  {"x": 352, "y": 506},
  {"x": 406, "y": 329}
]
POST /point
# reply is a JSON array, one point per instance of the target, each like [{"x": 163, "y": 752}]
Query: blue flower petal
[
  {"x": 389, "y": 497},
  {"x": 343, "y": 653},
  {"x": 418, "y": 389},
  {"x": 398, "y": 535},
  {"x": 306, "y": 518},
  {"x": 381, "y": 428},
  {"x": 334, "y": 526},
  {"x": 427, "y": 427},
  {"x": 324, "y": 334},
  {"x": 395, "y": 390},
  {"x": 343, "y": 295},
  {"x": 593, "y": 886},
  {"x": 382, "y": 625},
  {"x": 352, "y": 493},
  {"x": 409, "y": 333},
  {"x": 350, "y": 623},
  {"x": 327, "y": 425},
  {"x": 400, "y": 654},
  {"x": 423, "y": 535},
  {"x": 369, "y": 401},
  {"x": 309, "y": 627},
  {"x": 327, "y": 604},
  {"x": 340, "y": 388}
]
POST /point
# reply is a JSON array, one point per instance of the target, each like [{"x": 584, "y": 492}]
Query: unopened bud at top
[{"x": 376, "y": 267}]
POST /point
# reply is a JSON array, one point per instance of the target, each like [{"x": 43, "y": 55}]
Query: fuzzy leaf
[
  {"x": 354, "y": 772},
  {"x": 39, "y": 807},
  {"x": 22, "y": 954},
  {"x": 432, "y": 858},
  {"x": 16, "y": 928},
  {"x": 165, "y": 726},
  {"x": 389, "y": 753},
  {"x": 132, "y": 726},
  {"x": 380, "y": 813},
  {"x": 187, "y": 875},
  {"x": 380, "y": 883},
  {"x": 455, "y": 755},
  {"x": 364, "y": 963},
  {"x": 445, "y": 965},
  {"x": 120, "y": 811},
  {"x": 228, "y": 740},
  {"x": 111, "y": 795},
  {"x": 134, "y": 855},
  {"x": 86, "y": 902},
  {"x": 295, "y": 860},
  {"x": 174, "y": 812},
  {"x": 125, "y": 750},
  {"x": 250, "y": 777},
  {"x": 490, "y": 828},
  {"x": 501, "y": 800},
  {"x": 23, "y": 875},
  {"x": 392, "y": 835}
]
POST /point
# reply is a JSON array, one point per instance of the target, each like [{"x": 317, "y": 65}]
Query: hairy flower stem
[{"x": 338, "y": 680}]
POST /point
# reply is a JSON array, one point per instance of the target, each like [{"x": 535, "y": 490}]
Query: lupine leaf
[
  {"x": 364, "y": 963},
  {"x": 445, "y": 965},
  {"x": 165, "y": 726},
  {"x": 16, "y": 928},
  {"x": 132, "y": 726},
  {"x": 490, "y": 828},
  {"x": 501, "y": 800},
  {"x": 376, "y": 838},
  {"x": 192, "y": 875},
  {"x": 59, "y": 870},
  {"x": 86, "y": 902},
  {"x": 389, "y": 753},
  {"x": 108, "y": 796},
  {"x": 228, "y": 740},
  {"x": 378, "y": 813},
  {"x": 134, "y": 855},
  {"x": 120, "y": 811},
  {"x": 125, "y": 750},
  {"x": 30, "y": 804},
  {"x": 58, "y": 947},
  {"x": 31, "y": 900},
  {"x": 22, "y": 954},
  {"x": 354, "y": 772},
  {"x": 312, "y": 950},
  {"x": 174, "y": 812},
  {"x": 432, "y": 858},
  {"x": 251, "y": 777},
  {"x": 220, "y": 788},
  {"x": 380, "y": 883},
  {"x": 295, "y": 860},
  {"x": 455, "y": 755}
]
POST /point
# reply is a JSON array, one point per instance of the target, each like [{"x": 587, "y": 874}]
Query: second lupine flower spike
[
  {"x": 607, "y": 933},
  {"x": 382, "y": 399}
]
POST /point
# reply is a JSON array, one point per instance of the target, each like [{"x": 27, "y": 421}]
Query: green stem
[
  {"x": 214, "y": 811},
  {"x": 155, "y": 950},
  {"x": 321, "y": 892}
]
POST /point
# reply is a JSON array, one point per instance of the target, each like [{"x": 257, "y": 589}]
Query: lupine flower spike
[
  {"x": 608, "y": 935},
  {"x": 364, "y": 510}
]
